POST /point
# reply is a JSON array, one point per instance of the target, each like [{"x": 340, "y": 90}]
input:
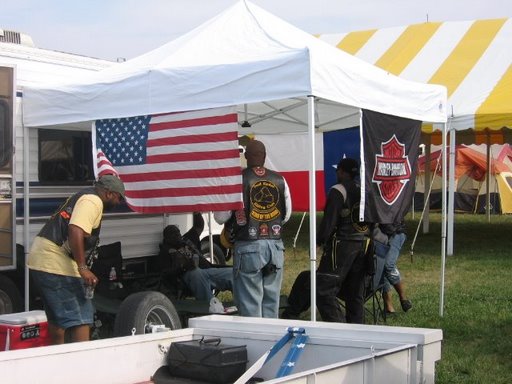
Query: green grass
[{"x": 477, "y": 318}]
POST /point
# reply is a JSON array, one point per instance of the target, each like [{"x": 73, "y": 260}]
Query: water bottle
[
  {"x": 113, "y": 274},
  {"x": 89, "y": 291},
  {"x": 112, "y": 277}
]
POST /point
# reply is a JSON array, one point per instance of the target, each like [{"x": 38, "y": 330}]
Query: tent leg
[
  {"x": 312, "y": 203},
  {"x": 451, "y": 193},
  {"x": 488, "y": 178},
  {"x": 443, "y": 224},
  {"x": 428, "y": 182},
  {"x": 26, "y": 213}
]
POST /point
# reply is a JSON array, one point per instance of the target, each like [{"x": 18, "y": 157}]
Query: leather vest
[
  {"x": 56, "y": 228},
  {"x": 264, "y": 206},
  {"x": 349, "y": 227}
]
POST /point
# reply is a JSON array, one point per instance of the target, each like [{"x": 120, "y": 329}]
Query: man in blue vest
[
  {"x": 59, "y": 255},
  {"x": 257, "y": 228}
]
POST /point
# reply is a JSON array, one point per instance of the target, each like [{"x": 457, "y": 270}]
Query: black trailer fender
[{"x": 141, "y": 310}]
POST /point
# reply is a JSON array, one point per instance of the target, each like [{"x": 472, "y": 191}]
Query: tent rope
[
  {"x": 298, "y": 231},
  {"x": 427, "y": 198}
]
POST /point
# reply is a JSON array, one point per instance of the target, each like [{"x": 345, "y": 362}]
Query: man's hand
[{"x": 89, "y": 277}]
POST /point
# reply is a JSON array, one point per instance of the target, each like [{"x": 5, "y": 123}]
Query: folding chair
[{"x": 374, "y": 285}]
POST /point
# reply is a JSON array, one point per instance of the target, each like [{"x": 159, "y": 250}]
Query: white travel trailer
[{"x": 40, "y": 167}]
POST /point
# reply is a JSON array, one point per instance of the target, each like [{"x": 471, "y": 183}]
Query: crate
[
  {"x": 23, "y": 330},
  {"x": 207, "y": 360}
]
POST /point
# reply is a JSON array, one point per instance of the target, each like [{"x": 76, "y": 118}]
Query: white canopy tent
[{"x": 281, "y": 78}]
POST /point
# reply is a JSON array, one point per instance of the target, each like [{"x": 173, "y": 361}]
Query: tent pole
[
  {"x": 488, "y": 178},
  {"x": 451, "y": 192},
  {"x": 26, "y": 211},
  {"x": 210, "y": 236},
  {"x": 312, "y": 203},
  {"x": 443, "y": 222},
  {"x": 428, "y": 182}
]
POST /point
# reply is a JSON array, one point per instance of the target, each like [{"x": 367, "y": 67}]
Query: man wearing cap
[
  {"x": 181, "y": 258},
  {"x": 258, "y": 257},
  {"x": 58, "y": 258},
  {"x": 342, "y": 267},
  {"x": 345, "y": 240}
]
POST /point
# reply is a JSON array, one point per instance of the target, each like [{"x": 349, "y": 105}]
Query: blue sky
[{"x": 109, "y": 29}]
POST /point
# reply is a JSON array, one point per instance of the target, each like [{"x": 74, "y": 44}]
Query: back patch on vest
[{"x": 264, "y": 201}]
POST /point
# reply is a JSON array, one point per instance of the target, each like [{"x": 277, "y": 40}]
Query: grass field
[{"x": 477, "y": 320}]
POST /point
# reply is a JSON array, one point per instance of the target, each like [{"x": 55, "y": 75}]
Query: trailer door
[{"x": 7, "y": 182}]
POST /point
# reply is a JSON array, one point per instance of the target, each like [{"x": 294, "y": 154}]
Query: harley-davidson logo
[{"x": 392, "y": 170}]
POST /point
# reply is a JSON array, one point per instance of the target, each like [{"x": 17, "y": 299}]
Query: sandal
[{"x": 406, "y": 305}]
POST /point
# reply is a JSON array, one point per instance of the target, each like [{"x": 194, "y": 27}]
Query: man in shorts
[{"x": 59, "y": 263}]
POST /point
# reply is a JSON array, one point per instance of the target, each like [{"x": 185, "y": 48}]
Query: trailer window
[
  {"x": 65, "y": 156},
  {"x": 5, "y": 134}
]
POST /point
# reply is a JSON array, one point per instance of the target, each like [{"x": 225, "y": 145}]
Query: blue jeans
[
  {"x": 257, "y": 291},
  {"x": 391, "y": 274},
  {"x": 201, "y": 282}
]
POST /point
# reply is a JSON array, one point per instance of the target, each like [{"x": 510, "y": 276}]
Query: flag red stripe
[
  {"x": 296, "y": 181},
  {"x": 192, "y": 156},
  {"x": 180, "y": 192},
  {"x": 104, "y": 162},
  {"x": 211, "y": 120},
  {"x": 175, "y": 175},
  {"x": 192, "y": 139},
  {"x": 108, "y": 172},
  {"x": 187, "y": 208}
]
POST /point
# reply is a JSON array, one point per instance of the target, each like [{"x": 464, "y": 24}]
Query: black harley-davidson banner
[{"x": 390, "y": 153}]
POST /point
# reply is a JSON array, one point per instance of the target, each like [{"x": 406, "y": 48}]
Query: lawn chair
[{"x": 374, "y": 285}]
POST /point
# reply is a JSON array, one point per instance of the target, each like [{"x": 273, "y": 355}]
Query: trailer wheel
[
  {"x": 218, "y": 255},
  {"x": 142, "y": 310},
  {"x": 10, "y": 297}
]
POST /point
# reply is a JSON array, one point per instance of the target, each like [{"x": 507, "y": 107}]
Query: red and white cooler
[{"x": 23, "y": 330}]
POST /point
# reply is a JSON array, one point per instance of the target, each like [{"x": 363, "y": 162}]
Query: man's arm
[
  {"x": 198, "y": 223},
  {"x": 333, "y": 206},
  {"x": 76, "y": 237},
  {"x": 288, "y": 202}
]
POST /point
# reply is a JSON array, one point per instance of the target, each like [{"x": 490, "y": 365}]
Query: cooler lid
[{"x": 21, "y": 318}]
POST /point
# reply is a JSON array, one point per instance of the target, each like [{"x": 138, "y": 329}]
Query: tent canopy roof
[
  {"x": 473, "y": 59},
  {"x": 245, "y": 57}
]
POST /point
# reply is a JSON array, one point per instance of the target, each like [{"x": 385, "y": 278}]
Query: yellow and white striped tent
[{"x": 473, "y": 59}]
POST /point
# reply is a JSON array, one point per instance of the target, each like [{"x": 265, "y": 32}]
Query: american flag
[{"x": 176, "y": 162}]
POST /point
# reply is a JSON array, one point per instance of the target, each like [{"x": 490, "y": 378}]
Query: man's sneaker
[
  {"x": 288, "y": 315},
  {"x": 406, "y": 305}
]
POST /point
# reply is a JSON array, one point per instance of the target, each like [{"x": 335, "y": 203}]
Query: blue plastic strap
[
  {"x": 282, "y": 342},
  {"x": 293, "y": 355}
]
